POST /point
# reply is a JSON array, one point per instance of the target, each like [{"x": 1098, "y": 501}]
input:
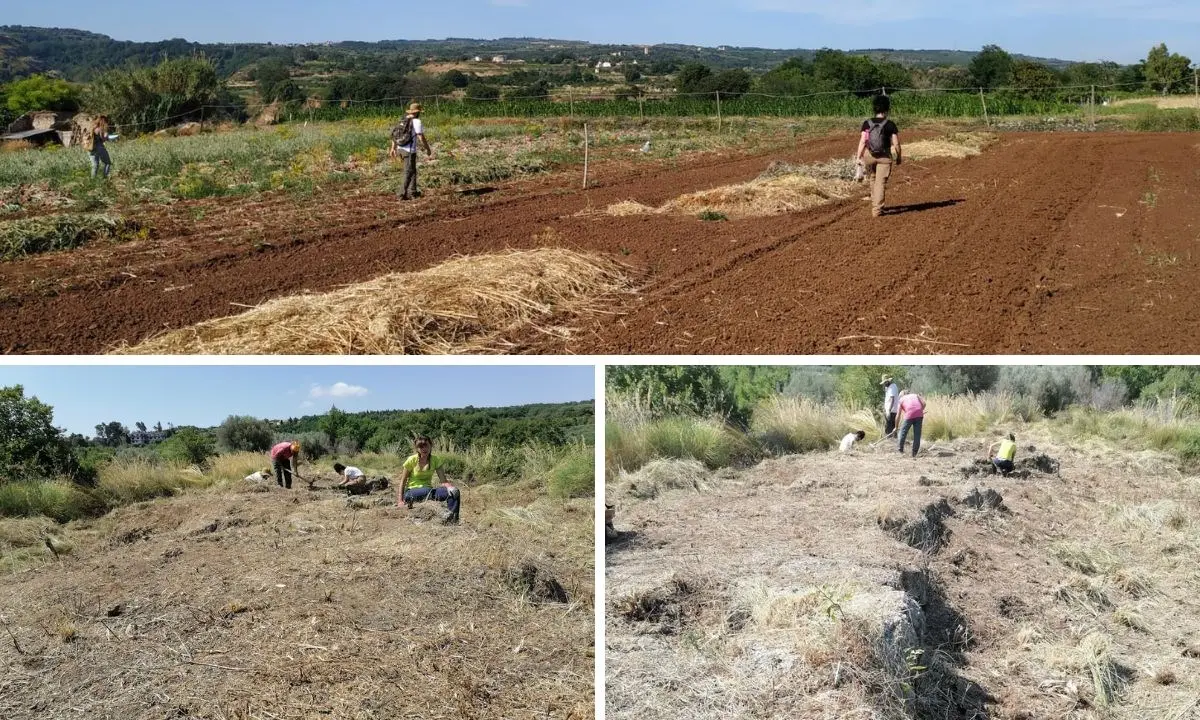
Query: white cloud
[{"x": 337, "y": 390}]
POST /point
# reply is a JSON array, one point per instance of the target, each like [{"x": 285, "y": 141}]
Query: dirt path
[{"x": 1020, "y": 250}]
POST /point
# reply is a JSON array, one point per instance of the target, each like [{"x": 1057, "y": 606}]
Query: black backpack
[
  {"x": 876, "y": 139},
  {"x": 402, "y": 134}
]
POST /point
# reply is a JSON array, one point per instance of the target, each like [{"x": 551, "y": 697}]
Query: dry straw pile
[
  {"x": 783, "y": 188},
  {"x": 478, "y": 304},
  {"x": 957, "y": 146}
]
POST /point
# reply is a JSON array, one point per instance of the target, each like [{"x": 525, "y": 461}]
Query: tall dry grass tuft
[
  {"x": 126, "y": 481},
  {"x": 479, "y": 304},
  {"x": 232, "y": 468},
  {"x": 797, "y": 424},
  {"x": 60, "y": 500}
]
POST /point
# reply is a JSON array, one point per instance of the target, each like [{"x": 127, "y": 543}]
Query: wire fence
[{"x": 960, "y": 102}]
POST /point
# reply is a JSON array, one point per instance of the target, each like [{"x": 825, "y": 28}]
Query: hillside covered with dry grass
[
  {"x": 256, "y": 602},
  {"x": 875, "y": 585}
]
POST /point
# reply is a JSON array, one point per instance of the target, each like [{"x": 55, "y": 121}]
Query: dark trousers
[
  {"x": 1004, "y": 466},
  {"x": 916, "y": 428},
  {"x": 889, "y": 424},
  {"x": 283, "y": 473},
  {"x": 450, "y": 496},
  {"x": 410, "y": 175}
]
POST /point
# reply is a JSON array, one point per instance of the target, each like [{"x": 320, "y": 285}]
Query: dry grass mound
[
  {"x": 957, "y": 146},
  {"x": 470, "y": 305},
  {"x": 782, "y": 188}
]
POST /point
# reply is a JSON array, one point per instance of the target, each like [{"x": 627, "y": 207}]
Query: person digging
[
  {"x": 416, "y": 481},
  {"x": 1003, "y": 453},
  {"x": 285, "y": 457}
]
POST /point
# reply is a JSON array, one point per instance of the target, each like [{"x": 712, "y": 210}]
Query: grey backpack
[{"x": 876, "y": 140}]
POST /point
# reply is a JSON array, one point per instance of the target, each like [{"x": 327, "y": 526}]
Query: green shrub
[
  {"x": 245, "y": 433},
  {"x": 712, "y": 216},
  {"x": 29, "y": 236},
  {"x": 1160, "y": 120},
  {"x": 189, "y": 446},
  {"x": 575, "y": 475},
  {"x": 61, "y": 501},
  {"x": 123, "y": 482},
  {"x": 709, "y": 441}
]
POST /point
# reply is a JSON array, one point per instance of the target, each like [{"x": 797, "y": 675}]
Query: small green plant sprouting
[
  {"x": 1154, "y": 175},
  {"x": 712, "y": 215},
  {"x": 831, "y": 606},
  {"x": 626, "y": 251},
  {"x": 1149, "y": 199}
]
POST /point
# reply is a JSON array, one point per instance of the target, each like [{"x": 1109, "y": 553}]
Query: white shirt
[
  {"x": 418, "y": 129},
  {"x": 352, "y": 473},
  {"x": 848, "y": 442},
  {"x": 890, "y": 398},
  {"x": 255, "y": 477}
]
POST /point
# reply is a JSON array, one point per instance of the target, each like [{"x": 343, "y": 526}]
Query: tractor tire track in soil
[{"x": 1047, "y": 243}]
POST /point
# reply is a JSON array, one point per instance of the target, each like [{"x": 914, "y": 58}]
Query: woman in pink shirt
[
  {"x": 284, "y": 457},
  {"x": 912, "y": 412}
]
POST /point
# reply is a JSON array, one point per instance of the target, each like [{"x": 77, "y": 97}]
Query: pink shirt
[
  {"x": 282, "y": 451},
  {"x": 910, "y": 407}
]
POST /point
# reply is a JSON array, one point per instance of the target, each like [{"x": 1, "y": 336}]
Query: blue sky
[
  {"x": 83, "y": 396},
  {"x": 1120, "y": 30}
]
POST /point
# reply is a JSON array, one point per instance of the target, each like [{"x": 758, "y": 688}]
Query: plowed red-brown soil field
[{"x": 1045, "y": 243}]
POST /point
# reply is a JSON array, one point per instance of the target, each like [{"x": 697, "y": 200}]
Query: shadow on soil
[
  {"x": 922, "y": 207},
  {"x": 941, "y": 691}
]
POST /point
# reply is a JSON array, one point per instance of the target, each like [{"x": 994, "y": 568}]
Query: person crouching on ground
[
  {"x": 1003, "y": 453},
  {"x": 416, "y": 481},
  {"x": 878, "y": 143},
  {"x": 352, "y": 478},
  {"x": 404, "y": 144},
  {"x": 912, "y": 414},
  {"x": 259, "y": 476},
  {"x": 284, "y": 458},
  {"x": 849, "y": 440}
]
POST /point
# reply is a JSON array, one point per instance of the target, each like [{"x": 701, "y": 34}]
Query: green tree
[
  {"x": 991, "y": 68},
  {"x": 631, "y": 73},
  {"x": 189, "y": 445},
  {"x": 480, "y": 91},
  {"x": 456, "y": 78},
  {"x": 334, "y": 424},
  {"x": 1035, "y": 80},
  {"x": 30, "y": 446},
  {"x": 112, "y": 434},
  {"x": 694, "y": 389},
  {"x": 38, "y": 92},
  {"x": 245, "y": 433},
  {"x": 858, "y": 385},
  {"x": 692, "y": 78},
  {"x": 1166, "y": 71},
  {"x": 148, "y": 98}
]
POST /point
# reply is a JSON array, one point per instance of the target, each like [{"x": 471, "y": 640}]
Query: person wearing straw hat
[
  {"x": 284, "y": 458},
  {"x": 404, "y": 143},
  {"x": 416, "y": 481},
  {"x": 891, "y": 400}
]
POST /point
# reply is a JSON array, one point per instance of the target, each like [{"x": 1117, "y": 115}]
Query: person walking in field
[
  {"x": 878, "y": 144},
  {"x": 416, "y": 481},
  {"x": 891, "y": 401},
  {"x": 849, "y": 440},
  {"x": 93, "y": 142},
  {"x": 1003, "y": 454},
  {"x": 285, "y": 457},
  {"x": 912, "y": 413},
  {"x": 405, "y": 138}
]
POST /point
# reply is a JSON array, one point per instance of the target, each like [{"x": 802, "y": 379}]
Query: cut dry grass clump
[
  {"x": 480, "y": 304},
  {"x": 763, "y": 197},
  {"x": 659, "y": 476},
  {"x": 1087, "y": 559},
  {"x": 29, "y": 236},
  {"x": 958, "y": 146},
  {"x": 783, "y": 188}
]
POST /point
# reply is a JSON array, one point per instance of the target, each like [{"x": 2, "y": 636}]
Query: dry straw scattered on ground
[
  {"x": 957, "y": 146},
  {"x": 475, "y": 304}
]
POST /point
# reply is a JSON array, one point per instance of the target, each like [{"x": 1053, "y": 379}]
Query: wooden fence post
[
  {"x": 718, "y": 111},
  {"x": 983, "y": 100},
  {"x": 585, "y": 155}
]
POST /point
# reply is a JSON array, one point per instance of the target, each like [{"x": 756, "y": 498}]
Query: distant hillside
[{"x": 78, "y": 55}]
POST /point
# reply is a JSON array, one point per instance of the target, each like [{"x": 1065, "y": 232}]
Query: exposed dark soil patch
[
  {"x": 1009, "y": 241},
  {"x": 925, "y": 531},
  {"x": 669, "y": 607},
  {"x": 986, "y": 499},
  {"x": 535, "y": 583}
]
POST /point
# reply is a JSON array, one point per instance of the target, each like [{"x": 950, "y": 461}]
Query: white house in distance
[
  {"x": 498, "y": 59},
  {"x": 604, "y": 65}
]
